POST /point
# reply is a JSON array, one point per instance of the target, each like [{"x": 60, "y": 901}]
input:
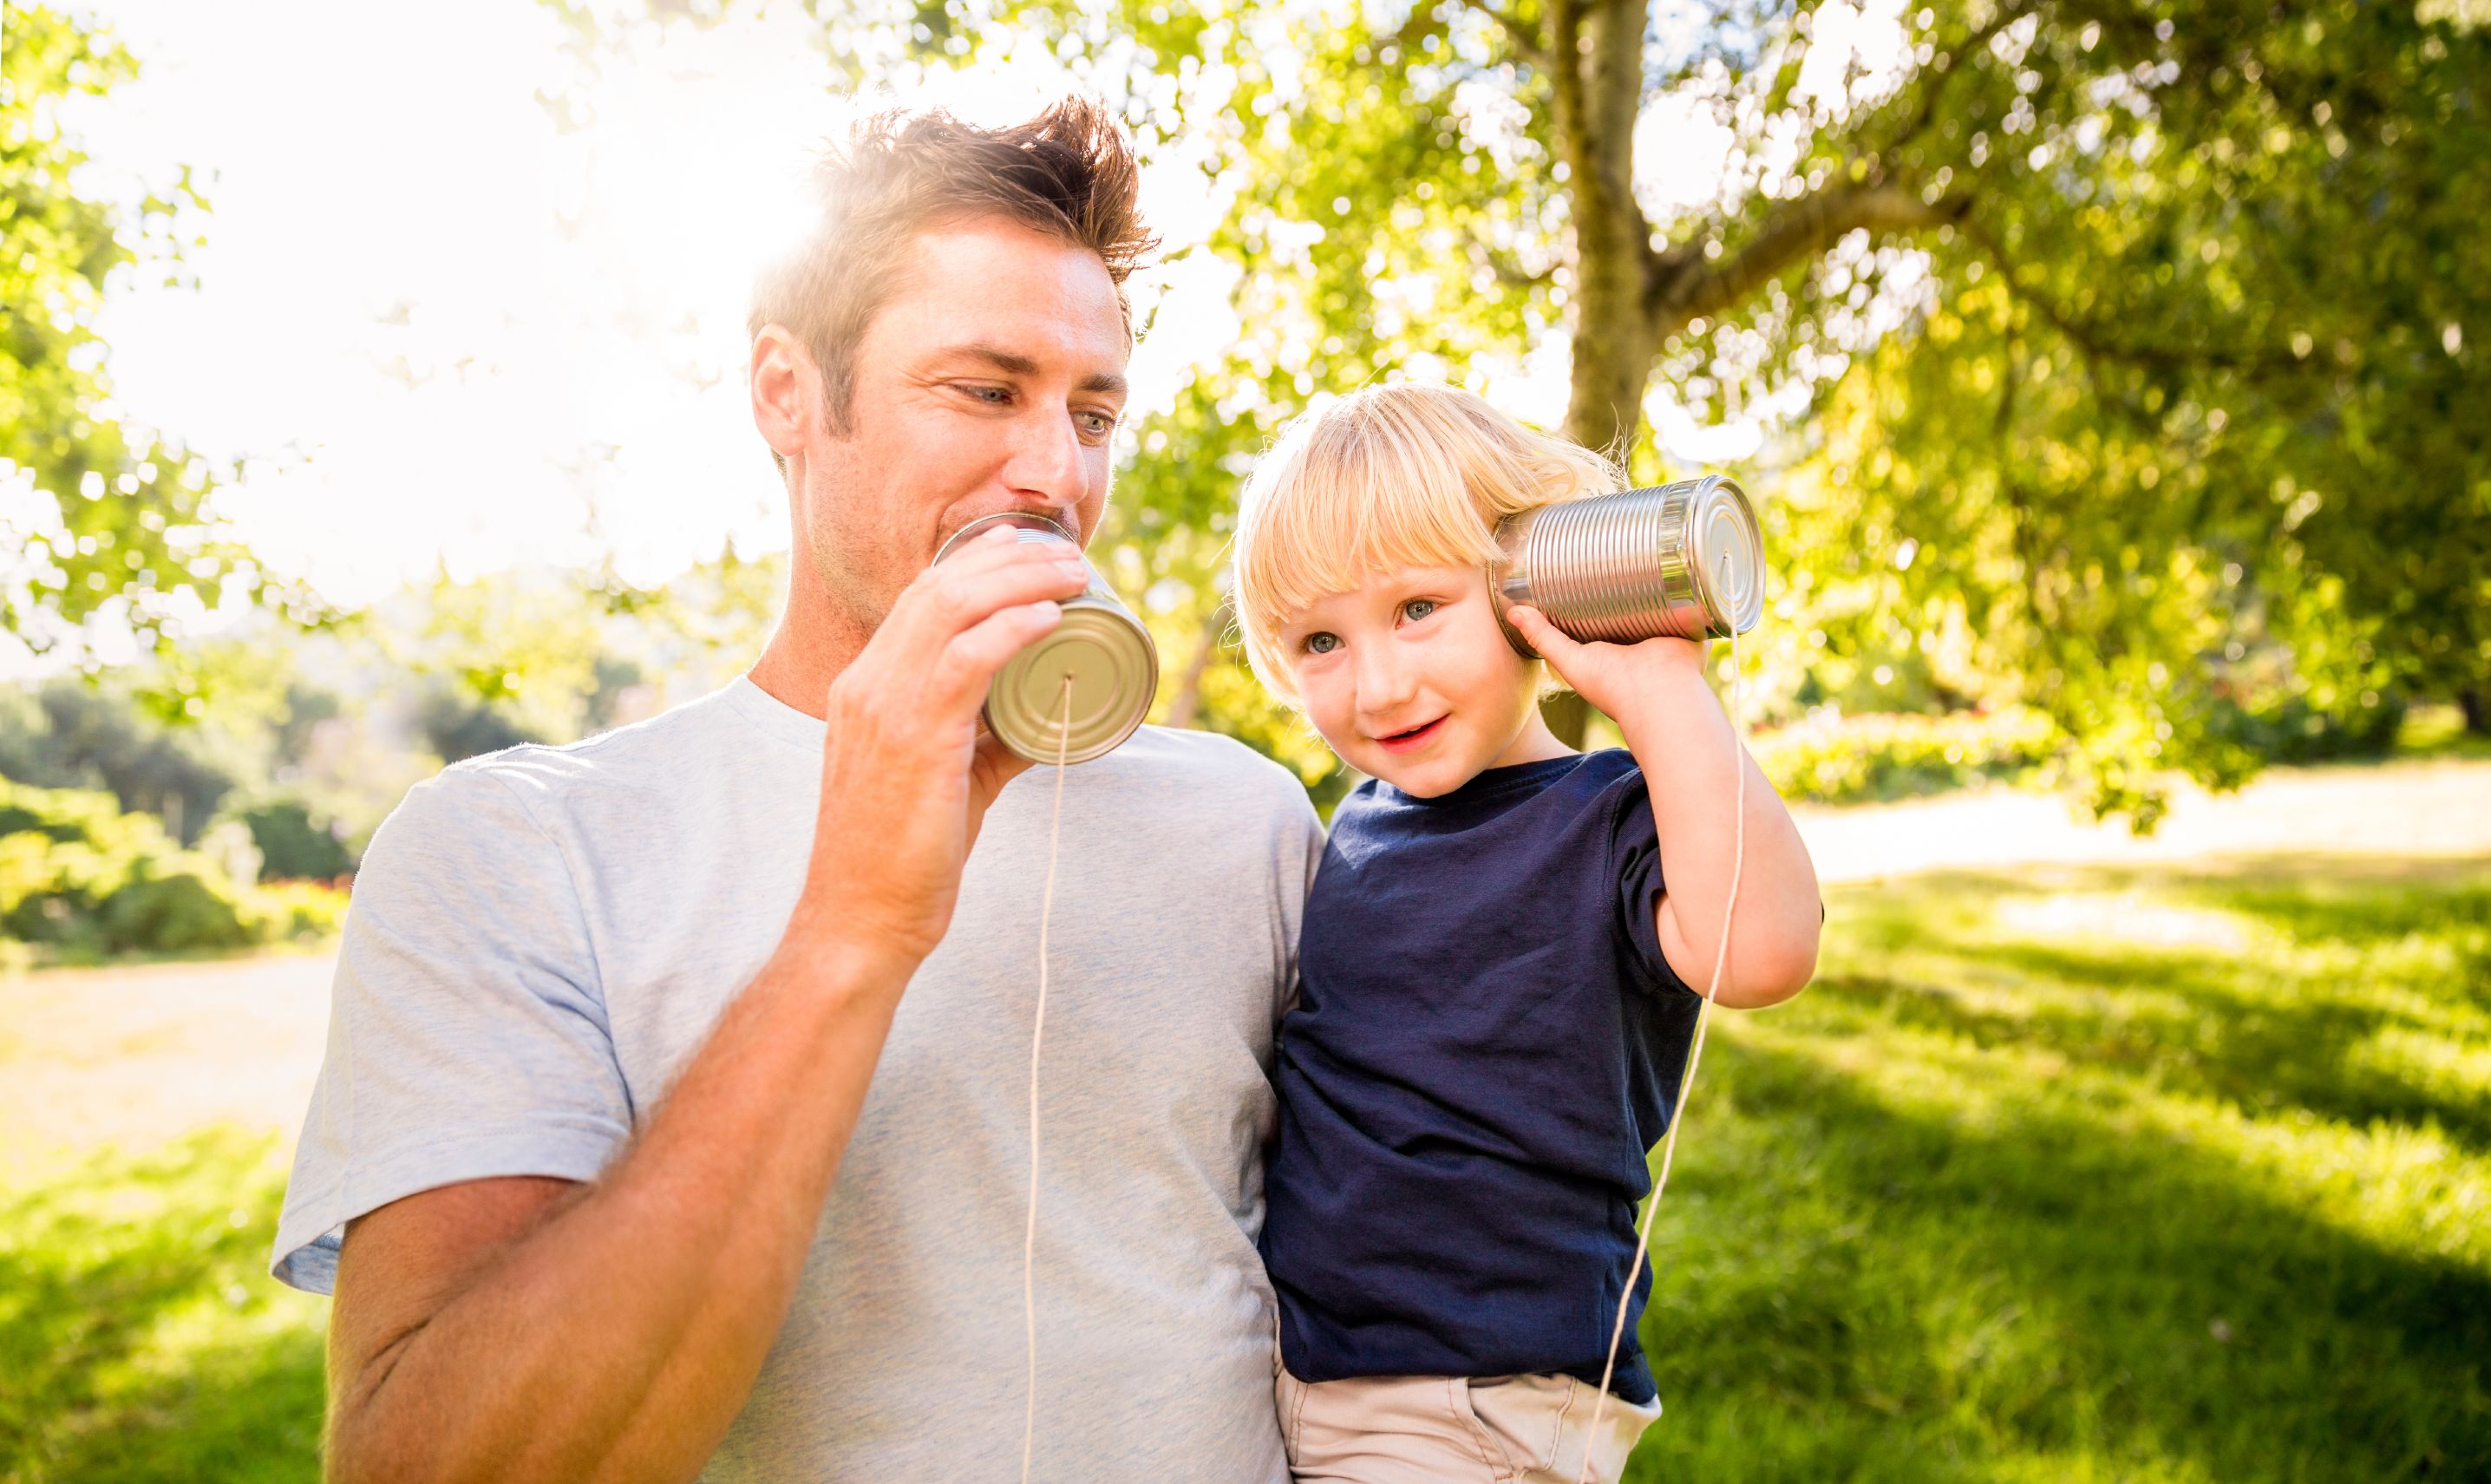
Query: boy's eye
[
  {"x": 1418, "y": 608},
  {"x": 1321, "y": 644}
]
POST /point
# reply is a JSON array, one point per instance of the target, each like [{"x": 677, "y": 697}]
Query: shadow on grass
[
  {"x": 1909, "y": 1300},
  {"x": 2264, "y": 1034},
  {"x": 139, "y": 1337},
  {"x": 2027, "y": 1246}
]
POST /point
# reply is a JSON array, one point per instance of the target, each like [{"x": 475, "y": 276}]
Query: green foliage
[
  {"x": 80, "y": 876},
  {"x": 140, "y": 1338},
  {"x": 2297, "y": 732},
  {"x": 80, "y": 880},
  {"x": 299, "y": 911},
  {"x": 73, "y": 734},
  {"x": 1835, "y": 759},
  {"x": 2173, "y": 371},
  {"x": 294, "y": 843},
  {"x": 119, "y": 525}
]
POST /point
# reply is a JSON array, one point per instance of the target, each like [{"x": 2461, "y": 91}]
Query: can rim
[
  {"x": 1025, "y": 520},
  {"x": 1094, "y": 733},
  {"x": 1723, "y": 493}
]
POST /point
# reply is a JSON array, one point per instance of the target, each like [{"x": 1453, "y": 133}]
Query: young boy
[{"x": 1495, "y": 1000}]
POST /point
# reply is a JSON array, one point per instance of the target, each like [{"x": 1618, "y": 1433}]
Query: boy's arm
[{"x": 1691, "y": 761}]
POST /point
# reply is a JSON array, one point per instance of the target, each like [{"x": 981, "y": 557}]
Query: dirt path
[
  {"x": 2408, "y": 810},
  {"x": 134, "y": 1056}
]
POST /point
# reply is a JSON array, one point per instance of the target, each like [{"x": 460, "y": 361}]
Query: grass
[
  {"x": 2085, "y": 1176},
  {"x": 140, "y": 1338},
  {"x": 2102, "y": 1177}
]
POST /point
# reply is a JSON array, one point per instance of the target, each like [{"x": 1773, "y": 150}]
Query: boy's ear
[{"x": 1512, "y": 636}]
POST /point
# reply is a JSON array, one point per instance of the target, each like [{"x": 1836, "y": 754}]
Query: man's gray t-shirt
[{"x": 541, "y": 939}]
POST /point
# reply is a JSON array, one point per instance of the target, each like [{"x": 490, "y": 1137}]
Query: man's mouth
[{"x": 1418, "y": 736}]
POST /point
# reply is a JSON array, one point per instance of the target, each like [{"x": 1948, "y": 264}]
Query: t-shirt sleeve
[
  {"x": 1301, "y": 844},
  {"x": 1634, "y": 849},
  {"x": 467, "y": 1034}
]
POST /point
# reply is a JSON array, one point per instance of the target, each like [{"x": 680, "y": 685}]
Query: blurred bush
[
  {"x": 80, "y": 880},
  {"x": 1832, "y": 758},
  {"x": 2296, "y": 731},
  {"x": 294, "y": 843}
]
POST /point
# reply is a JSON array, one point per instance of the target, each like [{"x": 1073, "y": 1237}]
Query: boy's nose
[{"x": 1386, "y": 682}]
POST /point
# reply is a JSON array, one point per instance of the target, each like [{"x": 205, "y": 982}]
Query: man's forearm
[{"x": 621, "y": 1336}]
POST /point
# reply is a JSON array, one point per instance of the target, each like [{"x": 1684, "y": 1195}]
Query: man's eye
[
  {"x": 1097, "y": 423},
  {"x": 1418, "y": 608},
  {"x": 1321, "y": 644},
  {"x": 994, "y": 394}
]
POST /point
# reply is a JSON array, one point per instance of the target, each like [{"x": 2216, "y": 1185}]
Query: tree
[
  {"x": 100, "y": 519},
  {"x": 2127, "y": 341}
]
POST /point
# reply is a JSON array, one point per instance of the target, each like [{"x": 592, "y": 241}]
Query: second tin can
[
  {"x": 1099, "y": 646},
  {"x": 1685, "y": 560}
]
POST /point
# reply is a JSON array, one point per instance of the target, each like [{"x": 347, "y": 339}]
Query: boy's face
[{"x": 1410, "y": 678}]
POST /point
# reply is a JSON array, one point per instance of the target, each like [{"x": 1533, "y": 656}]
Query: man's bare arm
[
  {"x": 516, "y": 1330},
  {"x": 524, "y": 1330}
]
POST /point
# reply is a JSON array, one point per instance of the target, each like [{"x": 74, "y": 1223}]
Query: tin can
[
  {"x": 1684, "y": 559},
  {"x": 1100, "y": 647}
]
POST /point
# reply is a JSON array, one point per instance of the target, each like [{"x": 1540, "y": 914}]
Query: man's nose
[{"x": 1047, "y": 459}]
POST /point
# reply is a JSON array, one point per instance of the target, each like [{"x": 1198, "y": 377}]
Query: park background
[{"x": 2110, "y": 376}]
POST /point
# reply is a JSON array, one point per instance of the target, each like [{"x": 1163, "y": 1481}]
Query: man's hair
[
  {"x": 1411, "y": 474},
  {"x": 1066, "y": 172}
]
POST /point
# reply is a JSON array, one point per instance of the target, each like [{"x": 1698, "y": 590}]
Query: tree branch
[
  {"x": 1934, "y": 82},
  {"x": 2096, "y": 344},
  {"x": 1686, "y": 288},
  {"x": 1528, "y": 41},
  {"x": 1508, "y": 271}
]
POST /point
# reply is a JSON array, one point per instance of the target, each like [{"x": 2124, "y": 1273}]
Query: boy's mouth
[{"x": 1403, "y": 742}]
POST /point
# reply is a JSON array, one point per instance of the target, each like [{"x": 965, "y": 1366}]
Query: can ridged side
[{"x": 1684, "y": 560}]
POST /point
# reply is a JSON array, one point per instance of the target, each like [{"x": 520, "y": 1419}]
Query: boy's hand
[{"x": 1615, "y": 678}]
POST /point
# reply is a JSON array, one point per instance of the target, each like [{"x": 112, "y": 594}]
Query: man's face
[
  {"x": 1410, "y": 678},
  {"x": 990, "y": 380}
]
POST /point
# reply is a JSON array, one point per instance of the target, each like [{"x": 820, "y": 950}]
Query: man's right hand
[{"x": 907, "y": 768}]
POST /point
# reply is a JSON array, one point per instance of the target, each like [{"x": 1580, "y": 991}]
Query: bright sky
[{"x": 434, "y": 324}]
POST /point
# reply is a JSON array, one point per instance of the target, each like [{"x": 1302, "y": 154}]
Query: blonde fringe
[{"x": 1407, "y": 475}]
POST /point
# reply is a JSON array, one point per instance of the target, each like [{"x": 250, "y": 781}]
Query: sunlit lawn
[
  {"x": 2098, "y": 1178},
  {"x": 140, "y": 1338},
  {"x": 2091, "y": 1178}
]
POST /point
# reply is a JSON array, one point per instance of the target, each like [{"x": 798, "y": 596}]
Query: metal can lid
[
  {"x": 1114, "y": 669},
  {"x": 1726, "y": 548}
]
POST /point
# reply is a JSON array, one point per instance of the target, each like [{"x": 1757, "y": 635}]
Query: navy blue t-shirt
[{"x": 1485, "y": 1044}]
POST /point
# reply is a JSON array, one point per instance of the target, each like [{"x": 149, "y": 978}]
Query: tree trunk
[
  {"x": 1596, "y": 65},
  {"x": 1186, "y": 703},
  {"x": 1596, "y": 69},
  {"x": 1626, "y": 296},
  {"x": 2474, "y": 701}
]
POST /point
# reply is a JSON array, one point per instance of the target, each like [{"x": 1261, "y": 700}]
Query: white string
[
  {"x": 1694, "y": 1056},
  {"x": 1036, "y": 1035}
]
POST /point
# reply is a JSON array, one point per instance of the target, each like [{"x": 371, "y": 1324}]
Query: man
[{"x": 675, "y": 1108}]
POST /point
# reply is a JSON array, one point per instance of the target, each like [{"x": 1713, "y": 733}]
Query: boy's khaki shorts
[{"x": 1452, "y": 1430}]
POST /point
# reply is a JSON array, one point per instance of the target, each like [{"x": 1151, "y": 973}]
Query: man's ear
[{"x": 786, "y": 392}]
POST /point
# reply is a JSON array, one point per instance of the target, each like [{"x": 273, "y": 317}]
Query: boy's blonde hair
[{"x": 1412, "y": 475}]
